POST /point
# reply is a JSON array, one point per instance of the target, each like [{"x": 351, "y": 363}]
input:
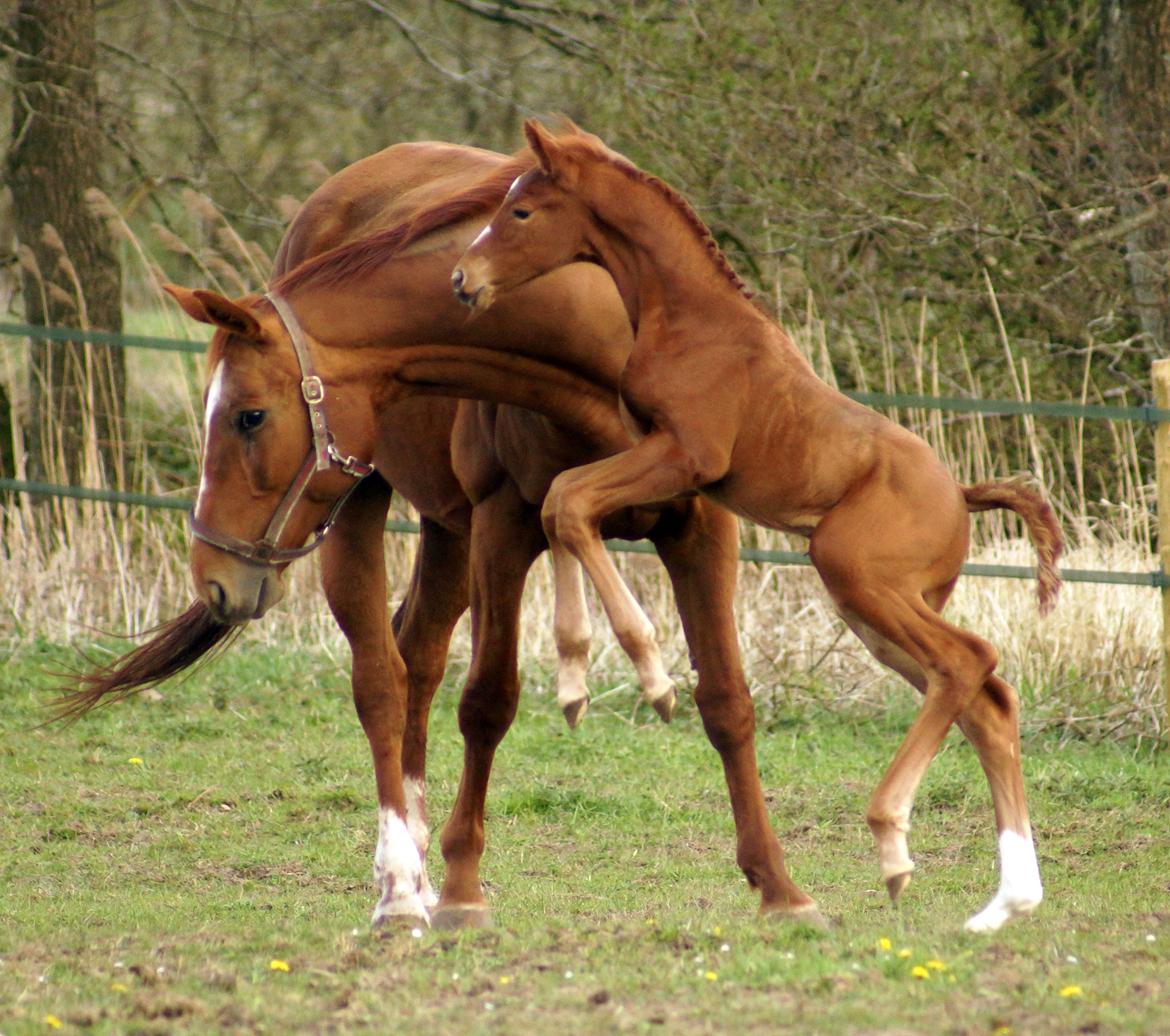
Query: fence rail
[{"x": 1153, "y": 415}]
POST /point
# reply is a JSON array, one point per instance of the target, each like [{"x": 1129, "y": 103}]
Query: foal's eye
[
  {"x": 250, "y": 420},
  {"x": 521, "y": 213}
]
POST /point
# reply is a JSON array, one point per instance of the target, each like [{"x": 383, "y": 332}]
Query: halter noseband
[{"x": 322, "y": 454}]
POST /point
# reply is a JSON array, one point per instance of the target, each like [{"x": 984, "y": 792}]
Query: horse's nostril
[
  {"x": 457, "y": 281},
  {"x": 216, "y": 595}
]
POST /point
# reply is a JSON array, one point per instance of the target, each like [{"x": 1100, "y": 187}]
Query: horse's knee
[{"x": 487, "y": 710}]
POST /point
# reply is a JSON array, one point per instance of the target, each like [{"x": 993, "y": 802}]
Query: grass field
[{"x": 201, "y": 863}]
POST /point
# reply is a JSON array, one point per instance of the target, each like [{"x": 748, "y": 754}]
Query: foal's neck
[{"x": 663, "y": 258}]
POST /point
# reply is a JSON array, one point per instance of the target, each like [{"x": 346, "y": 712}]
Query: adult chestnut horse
[
  {"x": 302, "y": 397},
  {"x": 722, "y": 402}
]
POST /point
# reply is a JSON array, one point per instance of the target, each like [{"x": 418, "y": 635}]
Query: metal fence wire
[{"x": 1150, "y": 415}]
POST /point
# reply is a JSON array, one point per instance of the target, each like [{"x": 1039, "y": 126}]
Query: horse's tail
[
  {"x": 1037, "y": 514},
  {"x": 175, "y": 646}
]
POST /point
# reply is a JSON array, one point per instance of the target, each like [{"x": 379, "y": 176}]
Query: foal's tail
[
  {"x": 176, "y": 645},
  {"x": 1037, "y": 514}
]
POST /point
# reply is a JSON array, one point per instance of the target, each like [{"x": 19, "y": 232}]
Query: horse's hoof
[
  {"x": 808, "y": 914},
  {"x": 664, "y": 704},
  {"x": 574, "y": 711},
  {"x": 391, "y": 924},
  {"x": 896, "y": 885},
  {"x": 457, "y": 916}
]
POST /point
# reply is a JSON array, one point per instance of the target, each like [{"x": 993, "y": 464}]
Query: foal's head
[
  {"x": 542, "y": 223},
  {"x": 255, "y": 440}
]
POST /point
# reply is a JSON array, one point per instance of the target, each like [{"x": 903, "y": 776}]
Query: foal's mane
[
  {"x": 356, "y": 258},
  {"x": 673, "y": 198}
]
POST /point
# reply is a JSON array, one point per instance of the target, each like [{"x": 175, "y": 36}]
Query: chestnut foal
[{"x": 722, "y": 402}]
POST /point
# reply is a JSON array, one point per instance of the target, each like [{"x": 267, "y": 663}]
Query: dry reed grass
[{"x": 70, "y": 569}]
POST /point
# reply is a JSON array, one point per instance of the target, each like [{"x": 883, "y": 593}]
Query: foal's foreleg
[
  {"x": 701, "y": 557},
  {"x": 354, "y": 577},
  {"x": 506, "y": 538},
  {"x": 991, "y": 724},
  {"x": 654, "y": 470},
  {"x": 422, "y": 626}
]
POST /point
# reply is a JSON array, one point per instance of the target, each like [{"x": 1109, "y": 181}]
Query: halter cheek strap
[{"x": 323, "y": 453}]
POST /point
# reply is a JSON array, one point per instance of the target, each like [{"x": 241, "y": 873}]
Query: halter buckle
[{"x": 313, "y": 389}]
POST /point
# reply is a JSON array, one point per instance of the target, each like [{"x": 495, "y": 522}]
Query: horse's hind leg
[
  {"x": 573, "y": 631},
  {"x": 505, "y": 540},
  {"x": 354, "y": 578},
  {"x": 700, "y": 555},
  {"x": 991, "y": 724},
  {"x": 948, "y": 664},
  {"x": 422, "y": 627}
]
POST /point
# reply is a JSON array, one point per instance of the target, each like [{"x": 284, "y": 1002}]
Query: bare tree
[
  {"x": 70, "y": 272},
  {"x": 1135, "y": 91}
]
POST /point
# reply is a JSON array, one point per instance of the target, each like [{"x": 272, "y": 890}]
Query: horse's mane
[
  {"x": 356, "y": 258},
  {"x": 671, "y": 196}
]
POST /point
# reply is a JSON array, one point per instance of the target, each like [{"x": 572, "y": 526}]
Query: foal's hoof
[
  {"x": 808, "y": 914},
  {"x": 664, "y": 704},
  {"x": 460, "y": 915},
  {"x": 574, "y": 711},
  {"x": 896, "y": 884}
]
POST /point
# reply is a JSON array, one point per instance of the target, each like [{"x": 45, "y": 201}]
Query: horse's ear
[
  {"x": 543, "y": 145},
  {"x": 209, "y": 307}
]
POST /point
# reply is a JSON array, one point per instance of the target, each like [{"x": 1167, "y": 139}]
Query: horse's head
[
  {"x": 542, "y": 223},
  {"x": 270, "y": 474}
]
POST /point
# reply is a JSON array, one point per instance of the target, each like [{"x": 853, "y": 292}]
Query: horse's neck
[{"x": 660, "y": 261}]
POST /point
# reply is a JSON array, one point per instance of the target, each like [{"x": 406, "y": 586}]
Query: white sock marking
[
  {"x": 416, "y": 824},
  {"x": 397, "y": 870},
  {"x": 1020, "y": 889}
]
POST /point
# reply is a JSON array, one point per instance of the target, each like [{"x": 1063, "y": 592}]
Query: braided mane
[
  {"x": 676, "y": 202},
  {"x": 356, "y": 258}
]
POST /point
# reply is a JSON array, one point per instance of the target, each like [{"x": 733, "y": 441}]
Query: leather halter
[{"x": 322, "y": 454}]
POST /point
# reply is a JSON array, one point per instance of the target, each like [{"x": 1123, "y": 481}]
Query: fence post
[{"x": 1161, "y": 375}]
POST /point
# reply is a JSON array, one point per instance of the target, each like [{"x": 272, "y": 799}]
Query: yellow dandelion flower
[
  {"x": 505, "y": 979},
  {"x": 884, "y": 944},
  {"x": 119, "y": 987},
  {"x": 904, "y": 953},
  {"x": 52, "y": 1021},
  {"x": 918, "y": 971},
  {"x": 936, "y": 965},
  {"x": 135, "y": 760},
  {"x": 278, "y": 965},
  {"x": 717, "y": 931},
  {"x": 1001, "y": 1030},
  {"x": 1068, "y": 991},
  {"x": 711, "y": 976}
]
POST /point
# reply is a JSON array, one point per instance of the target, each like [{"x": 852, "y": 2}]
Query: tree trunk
[
  {"x": 1135, "y": 92},
  {"x": 70, "y": 271}
]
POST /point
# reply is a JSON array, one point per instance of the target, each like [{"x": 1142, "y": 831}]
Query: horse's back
[{"x": 377, "y": 192}]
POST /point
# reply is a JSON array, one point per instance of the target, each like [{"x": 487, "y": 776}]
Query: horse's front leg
[
  {"x": 505, "y": 540},
  {"x": 654, "y": 470},
  {"x": 354, "y": 576},
  {"x": 701, "y": 553},
  {"x": 422, "y": 627}
]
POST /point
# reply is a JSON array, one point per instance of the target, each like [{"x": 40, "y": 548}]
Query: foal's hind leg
[
  {"x": 573, "y": 632},
  {"x": 422, "y": 627},
  {"x": 506, "y": 539},
  {"x": 948, "y": 664},
  {"x": 991, "y": 724},
  {"x": 701, "y": 554}
]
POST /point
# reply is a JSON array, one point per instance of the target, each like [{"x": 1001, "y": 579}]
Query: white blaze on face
[
  {"x": 397, "y": 870},
  {"x": 1020, "y": 890},
  {"x": 481, "y": 237},
  {"x": 214, "y": 398}
]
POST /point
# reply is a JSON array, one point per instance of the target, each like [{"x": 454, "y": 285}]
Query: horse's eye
[
  {"x": 521, "y": 213},
  {"x": 250, "y": 420}
]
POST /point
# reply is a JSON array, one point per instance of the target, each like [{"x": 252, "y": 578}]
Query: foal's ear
[
  {"x": 544, "y": 146},
  {"x": 208, "y": 307}
]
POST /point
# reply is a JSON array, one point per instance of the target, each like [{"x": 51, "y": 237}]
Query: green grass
[{"x": 152, "y": 897}]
